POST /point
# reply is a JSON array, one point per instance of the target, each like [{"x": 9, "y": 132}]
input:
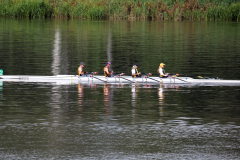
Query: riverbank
[{"x": 128, "y": 9}]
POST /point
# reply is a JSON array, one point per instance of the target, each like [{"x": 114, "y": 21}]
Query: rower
[
  {"x": 80, "y": 69},
  {"x": 161, "y": 71},
  {"x": 106, "y": 71},
  {"x": 135, "y": 72}
]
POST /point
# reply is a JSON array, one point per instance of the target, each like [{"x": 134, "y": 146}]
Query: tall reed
[
  {"x": 25, "y": 8},
  {"x": 123, "y": 9},
  {"x": 231, "y": 12}
]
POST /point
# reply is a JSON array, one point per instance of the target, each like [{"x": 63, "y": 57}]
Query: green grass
[
  {"x": 123, "y": 9},
  {"x": 27, "y": 8},
  {"x": 231, "y": 12}
]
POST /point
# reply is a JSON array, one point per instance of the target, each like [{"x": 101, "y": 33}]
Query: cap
[
  {"x": 108, "y": 63},
  {"x": 82, "y": 63},
  {"x": 135, "y": 64},
  {"x": 162, "y": 64}
]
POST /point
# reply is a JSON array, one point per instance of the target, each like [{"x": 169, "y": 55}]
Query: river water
[{"x": 119, "y": 121}]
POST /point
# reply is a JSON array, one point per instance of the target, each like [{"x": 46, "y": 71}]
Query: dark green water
[
  {"x": 47, "y": 47},
  {"x": 88, "y": 121}
]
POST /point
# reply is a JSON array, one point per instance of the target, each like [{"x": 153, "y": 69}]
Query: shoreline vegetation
[{"x": 213, "y": 10}]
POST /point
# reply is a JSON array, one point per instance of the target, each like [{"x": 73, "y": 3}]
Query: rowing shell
[{"x": 119, "y": 79}]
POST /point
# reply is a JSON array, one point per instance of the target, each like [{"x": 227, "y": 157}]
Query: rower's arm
[
  {"x": 134, "y": 73},
  {"x": 161, "y": 72},
  {"x": 107, "y": 71},
  {"x": 80, "y": 71}
]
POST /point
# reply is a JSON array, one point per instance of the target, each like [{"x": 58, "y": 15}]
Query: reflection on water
[
  {"x": 109, "y": 49},
  {"x": 56, "y": 53},
  {"x": 105, "y": 121},
  {"x": 134, "y": 101},
  {"x": 80, "y": 95},
  {"x": 108, "y": 98},
  {"x": 134, "y": 94},
  {"x": 161, "y": 98},
  {"x": 57, "y": 46},
  {"x": 108, "y": 94},
  {"x": 164, "y": 88}
]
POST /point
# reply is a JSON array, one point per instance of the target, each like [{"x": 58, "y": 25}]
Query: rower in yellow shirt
[{"x": 161, "y": 71}]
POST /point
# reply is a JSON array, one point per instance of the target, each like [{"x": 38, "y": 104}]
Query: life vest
[
  {"x": 79, "y": 73},
  {"x": 162, "y": 71},
  {"x": 136, "y": 72},
  {"x": 105, "y": 73}
]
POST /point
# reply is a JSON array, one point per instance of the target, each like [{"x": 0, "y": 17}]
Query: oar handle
[
  {"x": 175, "y": 74},
  {"x": 103, "y": 73},
  {"x": 147, "y": 74},
  {"x": 90, "y": 72},
  {"x": 189, "y": 76}
]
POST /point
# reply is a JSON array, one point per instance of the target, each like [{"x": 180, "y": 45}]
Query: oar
[
  {"x": 183, "y": 75},
  {"x": 99, "y": 79},
  {"x": 155, "y": 80},
  {"x": 161, "y": 81},
  {"x": 92, "y": 73},
  {"x": 89, "y": 73},
  {"x": 127, "y": 79},
  {"x": 180, "y": 79},
  {"x": 106, "y": 81},
  {"x": 149, "y": 74},
  {"x": 120, "y": 76},
  {"x": 172, "y": 77}
]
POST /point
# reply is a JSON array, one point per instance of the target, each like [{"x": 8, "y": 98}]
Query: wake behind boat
[{"x": 120, "y": 79}]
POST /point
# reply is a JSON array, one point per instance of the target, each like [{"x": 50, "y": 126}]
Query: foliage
[
  {"x": 123, "y": 9},
  {"x": 27, "y": 8},
  {"x": 224, "y": 13}
]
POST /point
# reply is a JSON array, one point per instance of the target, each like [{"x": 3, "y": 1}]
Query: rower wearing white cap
[
  {"x": 161, "y": 71},
  {"x": 80, "y": 69},
  {"x": 135, "y": 72}
]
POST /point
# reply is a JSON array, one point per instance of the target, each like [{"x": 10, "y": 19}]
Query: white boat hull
[{"x": 119, "y": 79}]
